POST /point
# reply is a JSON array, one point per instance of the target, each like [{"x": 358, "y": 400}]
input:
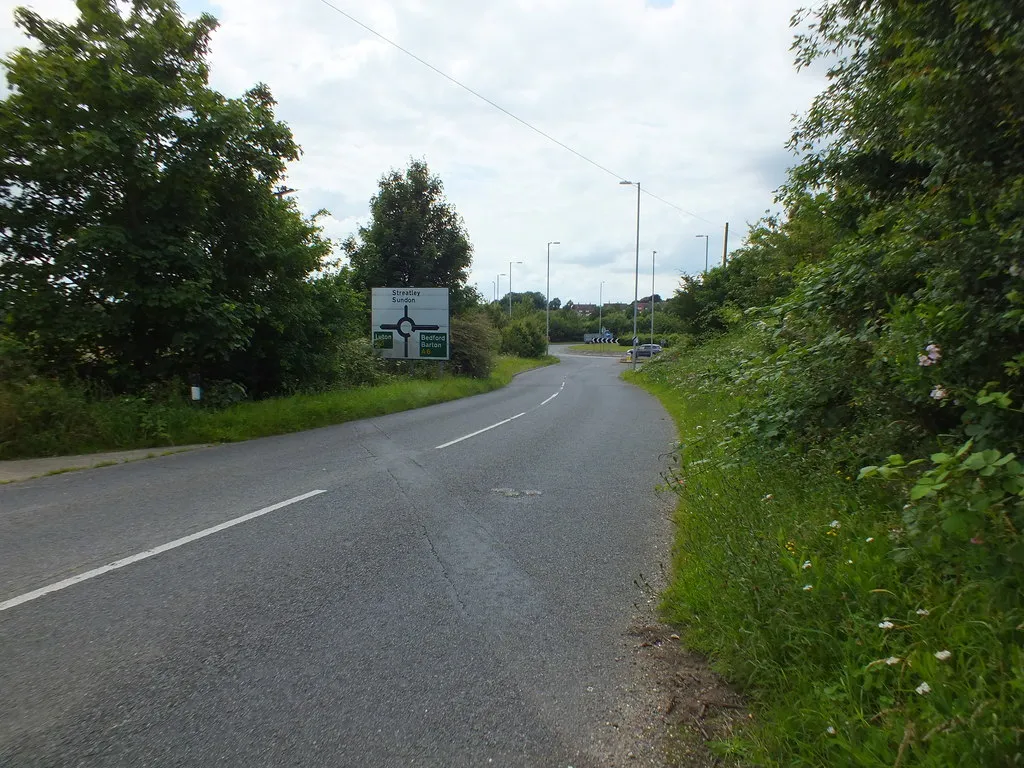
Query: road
[{"x": 448, "y": 606}]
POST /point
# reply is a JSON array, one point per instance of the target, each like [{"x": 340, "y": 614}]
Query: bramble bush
[{"x": 869, "y": 623}]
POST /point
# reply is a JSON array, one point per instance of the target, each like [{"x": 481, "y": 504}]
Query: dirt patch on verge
[
  {"x": 694, "y": 706},
  {"x": 675, "y": 708}
]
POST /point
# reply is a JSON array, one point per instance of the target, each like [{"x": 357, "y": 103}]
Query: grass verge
[
  {"x": 598, "y": 349},
  {"x": 44, "y": 419},
  {"x": 808, "y": 589}
]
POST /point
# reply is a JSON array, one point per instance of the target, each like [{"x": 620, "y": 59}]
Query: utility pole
[
  {"x": 636, "y": 271},
  {"x": 725, "y": 246},
  {"x": 653, "y": 255},
  {"x": 547, "y": 302}
]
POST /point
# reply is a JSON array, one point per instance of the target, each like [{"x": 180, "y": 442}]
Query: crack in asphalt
[{"x": 430, "y": 542}]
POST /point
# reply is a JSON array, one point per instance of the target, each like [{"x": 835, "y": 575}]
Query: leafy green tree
[
  {"x": 142, "y": 236},
  {"x": 415, "y": 238},
  {"x": 531, "y": 299}
]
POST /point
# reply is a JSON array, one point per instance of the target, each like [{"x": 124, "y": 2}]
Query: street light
[
  {"x": 705, "y": 252},
  {"x": 636, "y": 277},
  {"x": 600, "y": 309},
  {"x": 510, "y": 287},
  {"x": 547, "y": 301},
  {"x": 652, "y": 295},
  {"x": 497, "y": 291}
]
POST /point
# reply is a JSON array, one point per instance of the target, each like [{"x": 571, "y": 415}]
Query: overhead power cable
[{"x": 501, "y": 109}]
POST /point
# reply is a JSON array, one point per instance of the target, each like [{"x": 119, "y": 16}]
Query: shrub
[
  {"x": 524, "y": 337},
  {"x": 359, "y": 366},
  {"x": 473, "y": 344}
]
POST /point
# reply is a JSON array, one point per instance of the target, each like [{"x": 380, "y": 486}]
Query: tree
[
  {"x": 415, "y": 238},
  {"x": 142, "y": 238},
  {"x": 556, "y": 303},
  {"x": 917, "y": 149},
  {"x": 530, "y": 299}
]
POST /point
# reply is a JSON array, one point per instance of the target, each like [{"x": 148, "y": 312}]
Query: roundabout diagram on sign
[{"x": 405, "y": 327}]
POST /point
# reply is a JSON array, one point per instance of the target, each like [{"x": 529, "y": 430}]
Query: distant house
[{"x": 586, "y": 309}]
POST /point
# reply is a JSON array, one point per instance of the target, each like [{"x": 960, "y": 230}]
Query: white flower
[
  {"x": 925, "y": 360},
  {"x": 893, "y": 661},
  {"x": 849, "y": 562},
  {"x": 934, "y": 352},
  {"x": 808, "y": 587},
  {"x": 806, "y": 565},
  {"x": 938, "y": 393},
  {"x": 831, "y": 731},
  {"x": 869, "y": 539},
  {"x": 885, "y": 624},
  {"x": 923, "y": 689},
  {"x": 943, "y": 655},
  {"x": 921, "y": 611},
  {"x": 767, "y": 497},
  {"x": 834, "y": 524}
]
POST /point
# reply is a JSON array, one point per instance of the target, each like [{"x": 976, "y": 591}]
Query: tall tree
[
  {"x": 415, "y": 237},
  {"x": 141, "y": 234}
]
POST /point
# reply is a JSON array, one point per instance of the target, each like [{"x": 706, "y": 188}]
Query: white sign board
[{"x": 410, "y": 323}]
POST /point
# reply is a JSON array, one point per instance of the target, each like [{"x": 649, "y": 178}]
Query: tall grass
[
  {"x": 804, "y": 587},
  {"x": 44, "y": 418}
]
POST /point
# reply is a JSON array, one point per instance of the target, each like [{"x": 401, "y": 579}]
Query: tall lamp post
[
  {"x": 510, "y": 287},
  {"x": 497, "y": 291},
  {"x": 705, "y": 252},
  {"x": 653, "y": 255},
  {"x": 547, "y": 301},
  {"x": 600, "y": 309},
  {"x": 636, "y": 277}
]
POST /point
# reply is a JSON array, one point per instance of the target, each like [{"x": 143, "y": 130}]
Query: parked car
[
  {"x": 644, "y": 350},
  {"x": 648, "y": 350}
]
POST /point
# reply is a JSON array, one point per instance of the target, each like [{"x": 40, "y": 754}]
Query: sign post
[{"x": 410, "y": 323}]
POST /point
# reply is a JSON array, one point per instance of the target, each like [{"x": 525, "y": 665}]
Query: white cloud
[{"x": 693, "y": 100}]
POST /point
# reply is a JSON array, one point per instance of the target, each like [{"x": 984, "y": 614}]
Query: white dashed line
[
  {"x": 494, "y": 426},
  {"x": 57, "y": 586}
]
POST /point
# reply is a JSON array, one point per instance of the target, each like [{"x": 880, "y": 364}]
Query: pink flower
[{"x": 938, "y": 393}]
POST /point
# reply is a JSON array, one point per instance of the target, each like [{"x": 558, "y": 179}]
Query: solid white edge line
[
  {"x": 57, "y": 586},
  {"x": 478, "y": 432}
]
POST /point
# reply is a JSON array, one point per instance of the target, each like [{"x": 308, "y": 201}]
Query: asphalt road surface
[{"x": 373, "y": 594}]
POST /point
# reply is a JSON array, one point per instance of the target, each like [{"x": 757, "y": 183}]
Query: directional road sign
[{"x": 411, "y": 323}]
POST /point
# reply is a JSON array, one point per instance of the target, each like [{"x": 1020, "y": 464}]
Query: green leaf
[
  {"x": 919, "y": 491},
  {"x": 975, "y": 461}
]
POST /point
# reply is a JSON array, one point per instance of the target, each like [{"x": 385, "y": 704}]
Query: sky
[{"x": 693, "y": 99}]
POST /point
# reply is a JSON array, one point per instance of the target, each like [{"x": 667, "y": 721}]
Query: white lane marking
[
  {"x": 554, "y": 395},
  {"x": 494, "y": 426},
  {"x": 478, "y": 432},
  {"x": 15, "y": 601}
]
